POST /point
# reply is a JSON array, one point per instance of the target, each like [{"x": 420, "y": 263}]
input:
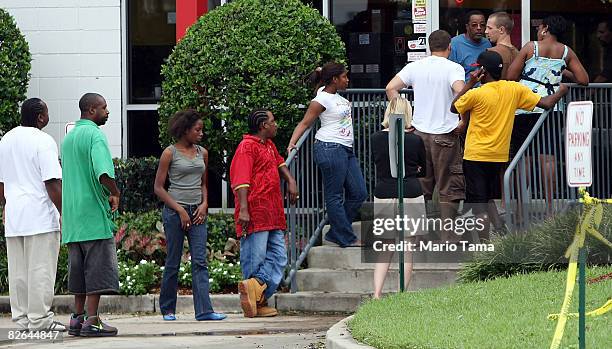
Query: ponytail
[{"x": 323, "y": 76}]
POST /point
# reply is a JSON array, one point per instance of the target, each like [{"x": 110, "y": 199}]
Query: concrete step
[
  {"x": 361, "y": 281},
  {"x": 356, "y": 230},
  {"x": 333, "y": 257},
  {"x": 336, "y": 302}
]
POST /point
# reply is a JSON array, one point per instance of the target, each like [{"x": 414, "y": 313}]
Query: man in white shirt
[
  {"x": 436, "y": 80},
  {"x": 31, "y": 192}
]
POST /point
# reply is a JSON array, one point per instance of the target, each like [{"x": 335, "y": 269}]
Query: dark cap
[{"x": 492, "y": 62}]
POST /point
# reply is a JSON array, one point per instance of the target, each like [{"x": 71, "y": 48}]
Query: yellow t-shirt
[{"x": 492, "y": 108}]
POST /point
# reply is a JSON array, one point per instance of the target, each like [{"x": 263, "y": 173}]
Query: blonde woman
[{"x": 385, "y": 192}]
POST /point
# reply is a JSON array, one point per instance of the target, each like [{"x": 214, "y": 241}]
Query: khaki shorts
[{"x": 444, "y": 166}]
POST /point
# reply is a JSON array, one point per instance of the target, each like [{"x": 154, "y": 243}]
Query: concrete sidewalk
[{"x": 145, "y": 331}]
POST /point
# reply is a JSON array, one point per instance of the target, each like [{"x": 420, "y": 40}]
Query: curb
[
  {"x": 149, "y": 303},
  {"x": 339, "y": 337}
]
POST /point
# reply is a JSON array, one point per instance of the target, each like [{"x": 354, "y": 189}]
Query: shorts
[
  {"x": 482, "y": 182},
  {"x": 443, "y": 156},
  {"x": 548, "y": 139},
  {"x": 92, "y": 267}
]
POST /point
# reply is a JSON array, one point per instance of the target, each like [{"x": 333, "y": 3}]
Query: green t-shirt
[{"x": 86, "y": 213}]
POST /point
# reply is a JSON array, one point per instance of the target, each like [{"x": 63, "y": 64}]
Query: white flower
[
  {"x": 128, "y": 278},
  {"x": 162, "y": 268},
  {"x": 225, "y": 272},
  {"x": 211, "y": 280},
  {"x": 182, "y": 269},
  {"x": 120, "y": 284},
  {"x": 143, "y": 261},
  {"x": 231, "y": 265}
]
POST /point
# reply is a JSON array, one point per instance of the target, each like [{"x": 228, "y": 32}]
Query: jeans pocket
[{"x": 445, "y": 142}]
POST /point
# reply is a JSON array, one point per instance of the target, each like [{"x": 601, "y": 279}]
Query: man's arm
[
  {"x": 549, "y": 102},
  {"x": 393, "y": 87},
  {"x": 111, "y": 185},
  {"x": 475, "y": 77},
  {"x": 243, "y": 215},
  {"x": 291, "y": 184},
  {"x": 54, "y": 189},
  {"x": 2, "y": 198}
]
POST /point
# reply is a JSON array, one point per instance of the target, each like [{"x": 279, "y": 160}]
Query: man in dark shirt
[{"x": 604, "y": 34}]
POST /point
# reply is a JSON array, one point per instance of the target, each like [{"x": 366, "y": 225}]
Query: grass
[{"x": 501, "y": 313}]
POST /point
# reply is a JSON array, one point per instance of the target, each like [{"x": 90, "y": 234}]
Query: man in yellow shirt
[{"x": 489, "y": 110}]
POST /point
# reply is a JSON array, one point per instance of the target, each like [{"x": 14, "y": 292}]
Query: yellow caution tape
[
  {"x": 588, "y": 224},
  {"x": 597, "y": 312}
]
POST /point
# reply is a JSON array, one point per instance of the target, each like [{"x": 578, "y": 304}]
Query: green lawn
[{"x": 502, "y": 313}]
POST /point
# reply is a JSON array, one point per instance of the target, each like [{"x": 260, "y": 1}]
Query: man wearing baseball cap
[{"x": 489, "y": 110}]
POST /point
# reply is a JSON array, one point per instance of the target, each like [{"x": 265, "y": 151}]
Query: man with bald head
[
  {"x": 499, "y": 28},
  {"x": 89, "y": 201}
]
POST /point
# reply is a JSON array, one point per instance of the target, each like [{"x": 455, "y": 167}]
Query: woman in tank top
[
  {"x": 540, "y": 65},
  {"x": 344, "y": 186},
  {"x": 186, "y": 207}
]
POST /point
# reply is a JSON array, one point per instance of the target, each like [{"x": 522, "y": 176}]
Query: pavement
[{"x": 149, "y": 330}]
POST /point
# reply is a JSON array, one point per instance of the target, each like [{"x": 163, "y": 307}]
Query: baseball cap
[{"x": 491, "y": 61}]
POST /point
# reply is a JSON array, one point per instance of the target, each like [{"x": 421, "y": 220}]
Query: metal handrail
[{"x": 519, "y": 157}]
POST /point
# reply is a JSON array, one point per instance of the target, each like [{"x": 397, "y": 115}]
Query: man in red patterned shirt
[{"x": 260, "y": 216}]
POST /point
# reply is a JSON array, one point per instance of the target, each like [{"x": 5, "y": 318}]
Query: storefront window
[
  {"x": 151, "y": 37},
  {"x": 585, "y": 18},
  {"x": 377, "y": 34},
  {"x": 452, "y": 15}
]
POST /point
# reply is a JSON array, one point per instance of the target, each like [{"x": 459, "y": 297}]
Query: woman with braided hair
[{"x": 344, "y": 185}]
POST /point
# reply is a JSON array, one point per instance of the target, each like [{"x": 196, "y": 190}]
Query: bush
[
  {"x": 14, "y": 71},
  {"x": 244, "y": 55},
  {"x": 135, "y": 178},
  {"x": 138, "y": 278},
  {"x": 542, "y": 248},
  {"x": 223, "y": 276}
]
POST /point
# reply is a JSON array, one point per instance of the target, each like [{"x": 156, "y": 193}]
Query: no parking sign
[{"x": 578, "y": 144}]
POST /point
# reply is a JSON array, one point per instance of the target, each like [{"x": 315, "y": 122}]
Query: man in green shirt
[{"x": 89, "y": 201}]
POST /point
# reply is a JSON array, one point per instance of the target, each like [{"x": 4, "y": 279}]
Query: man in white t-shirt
[
  {"x": 31, "y": 192},
  {"x": 436, "y": 80}
]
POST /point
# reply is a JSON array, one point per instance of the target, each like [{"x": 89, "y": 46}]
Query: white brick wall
[{"x": 76, "y": 48}]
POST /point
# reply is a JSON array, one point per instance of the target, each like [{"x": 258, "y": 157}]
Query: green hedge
[
  {"x": 14, "y": 71},
  {"x": 135, "y": 178},
  {"x": 542, "y": 248},
  {"x": 244, "y": 55}
]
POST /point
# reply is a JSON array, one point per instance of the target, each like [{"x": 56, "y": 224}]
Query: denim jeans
[
  {"x": 263, "y": 256},
  {"x": 344, "y": 189},
  {"x": 196, "y": 236}
]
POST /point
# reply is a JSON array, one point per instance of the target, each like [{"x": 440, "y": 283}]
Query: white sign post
[{"x": 578, "y": 144}]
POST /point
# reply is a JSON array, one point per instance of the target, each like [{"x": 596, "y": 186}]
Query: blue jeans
[
  {"x": 344, "y": 189},
  {"x": 196, "y": 236},
  {"x": 263, "y": 256}
]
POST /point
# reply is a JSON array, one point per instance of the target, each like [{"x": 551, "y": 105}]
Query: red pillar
[{"x": 187, "y": 13}]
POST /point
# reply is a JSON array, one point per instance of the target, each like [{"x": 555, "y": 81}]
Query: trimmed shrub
[
  {"x": 14, "y": 71},
  {"x": 542, "y": 248},
  {"x": 244, "y": 55},
  {"x": 135, "y": 179}
]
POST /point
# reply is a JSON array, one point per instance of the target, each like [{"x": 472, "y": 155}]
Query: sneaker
[
  {"x": 94, "y": 327},
  {"x": 169, "y": 317},
  {"x": 265, "y": 311},
  {"x": 56, "y": 326},
  {"x": 250, "y": 293},
  {"x": 76, "y": 322},
  {"x": 212, "y": 317}
]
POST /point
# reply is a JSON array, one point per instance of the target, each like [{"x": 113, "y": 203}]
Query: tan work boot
[
  {"x": 265, "y": 311},
  {"x": 250, "y": 293}
]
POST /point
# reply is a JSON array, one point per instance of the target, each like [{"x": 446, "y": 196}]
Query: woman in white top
[{"x": 344, "y": 186}]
